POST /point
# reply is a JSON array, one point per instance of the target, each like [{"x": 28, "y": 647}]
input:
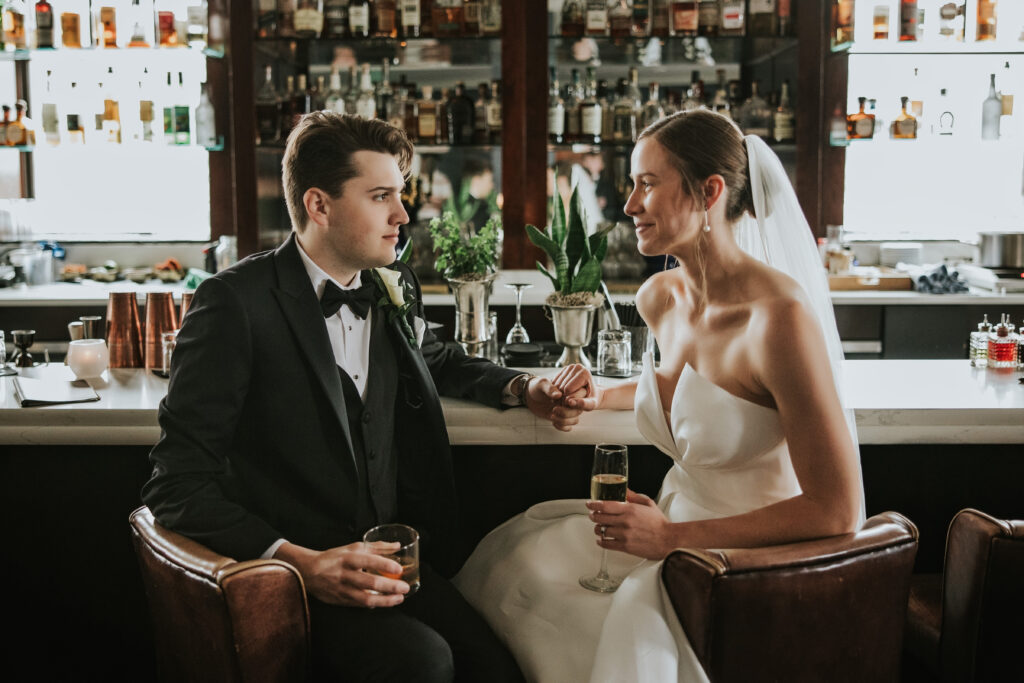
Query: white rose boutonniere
[{"x": 393, "y": 298}]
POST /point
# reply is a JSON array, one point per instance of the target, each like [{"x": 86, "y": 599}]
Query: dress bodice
[{"x": 730, "y": 453}]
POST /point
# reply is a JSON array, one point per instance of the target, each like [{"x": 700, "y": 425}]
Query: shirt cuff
[
  {"x": 268, "y": 554},
  {"x": 507, "y": 397}
]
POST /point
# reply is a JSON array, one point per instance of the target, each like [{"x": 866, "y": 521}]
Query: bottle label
[
  {"x": 411, "y": 13},
  {"x": 50, "y": 119},
  {"x": 309, "y": 20},
  {"x": 491, "y": 18},
  {"x": 907, "y": 127},
  {"x": 762, "y": 6},
  {"x": 471, "y": 12},
  {"x": 709, "y": 14},
  {"x": 359, "y": 19},
  {"x": 556, "y": 121},
  {"x": 590, "y": 120},
  {"x": 428, "y": 125},
  {"x": 784, "y": 129},
  {"x": 597, "y": 20},
  {"x": 732, "y": 16},
  {"x": 864, "y": 128},
  {"x": 44, "y": 21},
  {"x": 684, "y": 19},
  {"x": 494, "y": 115}
]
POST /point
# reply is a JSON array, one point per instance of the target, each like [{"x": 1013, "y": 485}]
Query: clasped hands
[{"x": 563, "y": 398}]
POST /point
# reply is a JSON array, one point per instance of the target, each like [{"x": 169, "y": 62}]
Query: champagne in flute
[{"x": 609, "y": 481}]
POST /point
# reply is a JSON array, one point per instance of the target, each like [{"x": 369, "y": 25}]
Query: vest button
[{"x": 366, "y": 417}]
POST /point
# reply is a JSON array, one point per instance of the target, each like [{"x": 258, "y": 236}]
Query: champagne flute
[
  {"x": 609, "y": 480},
  {"x": 518, "y": 334}
]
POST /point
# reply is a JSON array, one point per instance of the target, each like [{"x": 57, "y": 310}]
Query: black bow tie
[{"x": 359, "y": 299}]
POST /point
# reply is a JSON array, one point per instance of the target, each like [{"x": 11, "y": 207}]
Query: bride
[{"x": 745, "y": 401}]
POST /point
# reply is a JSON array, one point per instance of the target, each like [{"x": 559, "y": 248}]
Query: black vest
[{"x": 371, "y": 423}]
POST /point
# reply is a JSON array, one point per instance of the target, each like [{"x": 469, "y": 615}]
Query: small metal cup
[{"x": 92, "y": 326}]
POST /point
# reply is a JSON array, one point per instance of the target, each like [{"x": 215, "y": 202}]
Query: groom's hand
[
  {"x": 344, "y": 575},
  {"x": 546, "y": 401}
]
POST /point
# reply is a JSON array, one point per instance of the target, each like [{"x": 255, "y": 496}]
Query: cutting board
[{"x": 885, "y": 280}]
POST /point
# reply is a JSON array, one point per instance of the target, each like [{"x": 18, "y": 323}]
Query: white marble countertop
[
  {"x": 95, "y": 293},
  {"x": 896, "y": 401}
]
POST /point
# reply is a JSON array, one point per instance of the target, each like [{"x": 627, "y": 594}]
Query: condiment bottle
[
  {"x": 979, "y": 344},
  {"x": 1002, "y": 345}
]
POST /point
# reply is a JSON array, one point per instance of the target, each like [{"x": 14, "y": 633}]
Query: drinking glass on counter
[
  {"x": 407, "y": 555},
  {"x": 608, "y": 481},
  {"x": 88, "y": 358},
  {"x": 614, "y": 356}
]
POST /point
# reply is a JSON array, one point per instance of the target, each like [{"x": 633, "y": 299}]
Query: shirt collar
[{"x": 319, "y": 277}]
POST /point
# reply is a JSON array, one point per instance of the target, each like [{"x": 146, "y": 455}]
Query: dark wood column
[
  {"x": 822, "y": 86},
  {"x": 524, "y": 61},
  {"x": 238, "y": 188}
]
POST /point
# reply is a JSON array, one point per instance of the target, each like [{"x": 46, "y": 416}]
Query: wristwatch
[{"x": 519, "y": 386}]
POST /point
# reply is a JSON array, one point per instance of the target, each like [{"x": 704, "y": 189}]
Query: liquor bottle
[
  {"x": 51, "y": 119},
  {"x": 44, "y": 24},
  {"x": 783, "y": 118},
  {"x": 904, "y": 126},
  {"x": 427, "y": 129},
  {"x": 652, "y": 111},
  {"x": 596, "y": 18},
  {"x": 335, "y": 19},
  {"x": 75, "y": 127},
  {"x": 460, "y": 116},
  {"x": 408, "y": 109},
  {"x": 71, "y": 29},
  {"x": 590, "y": 111},
  {"x": 384, "y": 20},
  {"x": 335, "y": 100},
  {"x": 837, "y": 129},
  {"x": 384, "y": 93},
  {"x": 991, "y": 110},
  {"x": 660, "y": 18},
  {"x": 286, "y": 18},
  {"x": 860, "y": 125},
  {"x": 574, "y": 95},
  {"x": 168, "y": 32},
  {"x": 842, "y": 23},
  {"x": 1002, "y": 342},
  {"x": 352, "y": 91},
  {"x": 146, "y": 120},
  {"x": 266, "y": 18},
  {"x": 471, "y": 18},
  {"x": 182, "y": 114},
  {"x": 709, "y": 18},
  {"x": 640, "y": 24},
  {"x": 308, "y": 20},
  {"x": 14, "y": 25},
  {"x": 946, "y": 117},
  {"x": 206, "y": 121},
  {"x": 694, "y": 93},
  {"x": 19, "y": 135},
  {"x": 111, "y": 117},
  {"x": 720, "y": 100},
  {"x": 288, "y": 107},
  {"x": 623, "y": 115},
  {"x": 762, "y": 19},
  {"x": 979, "y": 344},
  {"x": 986, "y": 20},
  {"x": 4, "y": 123},
  {"x": 268, "y": 110},
  {"x": 490, "y": 17},
  {"x": 366, "y": 104},
  {"x": 480, "y": 134},
  {"x": 952, "y": 18},
  {"x": 494, "y": 114},
  {"x": 141, "y": 20},
  {"x": 410, "y": 18},
  {"x": 572, "y": 19},
  {"x": 756, "y": 117},
  {"x": 605, "y": 98},
  {"x": 448, "y": 18},
  {"x": 785, "y": 13},
  {"x": 881, "y": 22},
  {"x": 620, "y": 19},
  {"x": 556, "y": 111},
  {"x": 301, "y": 100},
  {"x": 734, "y": 18},
  {"x": 197, "y": 26},
  {"x": 359, "y": 18},
  {"x": 684, "y": 19},
  {"x": 106, "y": 27},
  {"x": 879, "y": 121},
  {"x": 908, "y": 20}
]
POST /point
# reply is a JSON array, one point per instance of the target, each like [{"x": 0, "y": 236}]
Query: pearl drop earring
[{"x": 707, "y": 223}]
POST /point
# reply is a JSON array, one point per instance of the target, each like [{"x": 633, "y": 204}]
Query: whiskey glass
[
  {"x": 518, "y": 334},
  {"x": 609, "y": 480},
  {"x": 407, "y": 554}
]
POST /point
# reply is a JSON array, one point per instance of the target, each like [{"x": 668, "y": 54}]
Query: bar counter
[{"x": 895, "y": 401}]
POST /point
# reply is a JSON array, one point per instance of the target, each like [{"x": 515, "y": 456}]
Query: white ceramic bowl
[{"x": 88, "y": 358}]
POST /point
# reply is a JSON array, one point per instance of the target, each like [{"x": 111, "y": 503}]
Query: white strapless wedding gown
[{"x": 730, "y": 457}]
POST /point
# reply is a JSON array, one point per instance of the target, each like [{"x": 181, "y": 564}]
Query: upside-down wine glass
[
  {"x": 608, "y": 481},
  {"x": 518, "y": 335}
]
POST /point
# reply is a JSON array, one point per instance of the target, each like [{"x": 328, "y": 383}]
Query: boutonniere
[{"x": 396, "y": 298}]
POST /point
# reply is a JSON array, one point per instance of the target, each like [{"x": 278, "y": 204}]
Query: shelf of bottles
[
  {"x": 930, "y": 113},
  {"x": 110, "y": 88},
  {"x": 430, "y": 68}
]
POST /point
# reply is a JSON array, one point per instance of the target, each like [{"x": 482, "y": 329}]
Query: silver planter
[
  {"x": 472, "y": 319},
  {"x": 573, "y": 325}
]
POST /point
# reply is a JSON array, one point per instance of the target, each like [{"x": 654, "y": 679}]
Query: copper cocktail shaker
[
  {"x": 124, "y": 333},
  {"x": 160, "y": 317},
  {"x": 186, "y": 301}
]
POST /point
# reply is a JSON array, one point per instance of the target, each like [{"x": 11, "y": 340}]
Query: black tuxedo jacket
[{"x": 255, "y": 441}]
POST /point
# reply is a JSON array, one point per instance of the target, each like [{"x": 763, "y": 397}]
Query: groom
[{"x": 303, "y": 409}]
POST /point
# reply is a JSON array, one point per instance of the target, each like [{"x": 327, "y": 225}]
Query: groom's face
[{"x": 363, "y": 222}]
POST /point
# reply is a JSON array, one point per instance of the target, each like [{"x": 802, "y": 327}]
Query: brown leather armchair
[
  {"x": 830, "y": 609},
  {"x": 216, "y": 619},
  {"x": 967, "y": 624}
]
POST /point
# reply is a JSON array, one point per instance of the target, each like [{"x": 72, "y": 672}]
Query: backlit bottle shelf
[{"x": 23, "y": 54}]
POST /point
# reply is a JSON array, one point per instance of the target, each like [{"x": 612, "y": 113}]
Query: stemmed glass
[
  {"x": 609, "y": 480},
  {"x": 518, "y": 335}
]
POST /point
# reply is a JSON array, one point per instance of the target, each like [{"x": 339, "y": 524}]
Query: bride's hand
[
  {"x": 574, "y": 379},
  {"x": 637, "y": 527}
]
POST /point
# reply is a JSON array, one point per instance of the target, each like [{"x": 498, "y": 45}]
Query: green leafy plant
[
  {"x": 462, "y": 252},
  {"x": 576, "y": 257}
]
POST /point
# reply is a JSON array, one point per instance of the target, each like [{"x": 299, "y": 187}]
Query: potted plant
[
  {"x": 468, "y": 259},
  {"x": 576, "y": 258}
]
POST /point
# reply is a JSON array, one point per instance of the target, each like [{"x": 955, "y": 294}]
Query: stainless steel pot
[{"x": 1002, "y": 249}]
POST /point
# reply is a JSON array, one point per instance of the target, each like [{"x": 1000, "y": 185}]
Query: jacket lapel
[{"x": 301, "y": 310}]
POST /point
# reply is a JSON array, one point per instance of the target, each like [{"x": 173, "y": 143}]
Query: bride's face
[{"x": 666, "y": 218}]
